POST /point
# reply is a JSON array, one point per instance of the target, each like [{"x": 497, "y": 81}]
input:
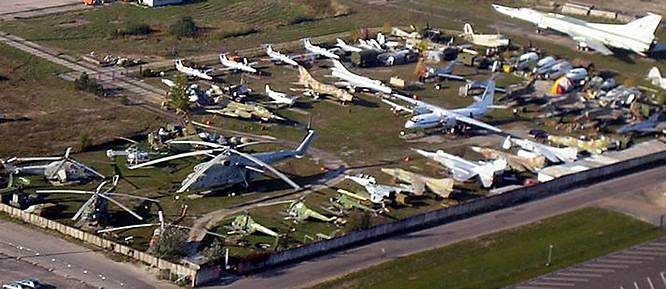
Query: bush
[
  {"x": 134, "y": 29},
  {"x": 184, "y": 27},
  {"x": 171, "y": 244},
  {"x": 237, "y": 32},
  {"x": 85, "y": 83},
  {"x": 361, "y": 221},
  {"x": 214, "y": 254},
  {"x": 83, "y": 141},
  {"x": 178, "y": 98}
]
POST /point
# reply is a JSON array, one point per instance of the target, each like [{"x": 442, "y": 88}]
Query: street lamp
[{"x": 550, "y": 255}]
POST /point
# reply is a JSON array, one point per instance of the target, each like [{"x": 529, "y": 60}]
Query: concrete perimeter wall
[
  {"x": 164, "y": 266},
  {"x": 473, "y": 207}
]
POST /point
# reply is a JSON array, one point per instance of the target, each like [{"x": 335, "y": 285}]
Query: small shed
[{"x": 156, "y": 3}]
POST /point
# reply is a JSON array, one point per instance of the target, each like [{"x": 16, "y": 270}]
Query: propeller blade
[
  {"x": 267, "y": 166},
  {"x": 87, "y": 168},
  {"x": 126, "y": 228},
  {"x": 194, "y": 142},
  {"x": 194, "y": 177},
  {"x": 83, "y": 207},
  {"x": 55, "y": 172},
  {"x": 132, "y": 196},
  {"x": 122, "y": 206},
  {"x": 173, "y": 157},
  {"x": 63, "y": 192}
]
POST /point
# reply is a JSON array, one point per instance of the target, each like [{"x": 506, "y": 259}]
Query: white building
[{"x": 155, "y": 3}]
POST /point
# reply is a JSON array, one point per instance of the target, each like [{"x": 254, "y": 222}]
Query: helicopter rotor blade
[
  {"x": 195, "y": 176},
  {"x": 122, "y": 206},
  {"x": 83, "y": 207},
  {"x": 64, "y": 192},
  {"x": 132, "y": 196},
  {"x": 87, "y": 168},
  {"x": 173, "y": 157},
  {"x": 269, "y": 167},
  {"x": 126, "y": 228}
]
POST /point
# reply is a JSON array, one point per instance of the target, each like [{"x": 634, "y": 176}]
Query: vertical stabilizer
[
  {"x": 467, "y": 29},
  {"x": 654, "y": 74},
  {"x": 643, "y": 26},
  {"x": 303, "y": 148}
]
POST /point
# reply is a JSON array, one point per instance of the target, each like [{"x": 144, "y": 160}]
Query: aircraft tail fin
[
  {"x": 303, "y": 148},
  {"x": 486, "y": 172},
  {"x": 340, "y": 42},
  {"x": 303, "y": 75},
  {"x": 467, "y": 29},
  {"x": 654, "y": 73},
  {"x": 269, "y": 49},
  {"x": 642, "y": 26},
  {"x": 268, "y": 90},
  {"x": 339, "y": 66},
  {"x": 179, "y": 63}
]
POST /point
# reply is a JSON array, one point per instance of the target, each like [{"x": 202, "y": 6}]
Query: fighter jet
[
  {"x": 441, "y": 187},
  {"x": 395, "y": 31},
  {"x": 552, "y": 154},
  {"x": 316, "y": 88},
  {"x": 316, "y": 50},
  {"x": 487, "y": 40},
  {"x": 279, "y": 57},
  {"x": 279, "y": 97},
  {"x": 235, "y": 65},
  {"x": 655, "y": 124},
  {"x": 593, "y": 146},
  {"x": 444, "y": 72},
  {"x": 519, "y": 163},
  {"x": 654, "y": 76},
  {"x": 357, "y": 81},
  {"x": 376, "y": 191},
  {"x": 346, "y": 47},
  {"x": 429, "y": 115},
  {"x": 299, "y": 212},
  {"x": 636, "y": 36},
  {"x": 189, "y": 71},
  {"x": 464, "y": 170}
]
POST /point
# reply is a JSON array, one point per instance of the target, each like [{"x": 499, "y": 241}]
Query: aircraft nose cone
[{"x": 410, "y": 124}]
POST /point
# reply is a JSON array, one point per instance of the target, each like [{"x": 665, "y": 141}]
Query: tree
[
  {"x": 178, "y": 98},
  {"x": 85, "y": 83},
  {"x": 184, "y": 27},
  {"x": 214, "y": 254},
  {"x": 361, "y": 221},
  {"x": 84, "y": 141},
  {"x": 171, "y": 244}
]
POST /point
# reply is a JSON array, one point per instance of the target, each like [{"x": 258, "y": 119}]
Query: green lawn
[{"x": 508, "y": 257}]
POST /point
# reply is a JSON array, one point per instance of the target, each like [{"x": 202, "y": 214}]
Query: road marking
[
  {"x": 552, "y": 284},
  {"x": 579, "y": 274},
  {"x": 647, "y": 248},
  {"x": 593, "y": 270},
  {"x": 632, "y": 257},
  {"x": 620, "y": 261},
  {"x": 532, "y": 287},
  {"x": 606, "y": 266},
  {"x": 663, "y": 277},
  {"x": 658, "y": 244},
  {"x": 650, "y": 282},
  {"x": 645, "y": 253},
  {"x": 565, "y": 279}
]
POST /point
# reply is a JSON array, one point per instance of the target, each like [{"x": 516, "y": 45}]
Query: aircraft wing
[
  {"x": 474, "y": 122},
  {"x": 597, "y": 46},
  {"x": 451, "y": 76},
  {"x": 462, "y": 175},
  {"x": 378, "y": 193}
]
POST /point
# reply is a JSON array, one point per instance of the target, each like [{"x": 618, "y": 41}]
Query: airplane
[
  {"x": 316, "y": 50},
  {"x": 655, "y": 124},
  {"x": 427, "y": 115},
  {"x": 395, "y": 31},
  {"x": 636, "y": 36},
  {"x": 344, "y": 201},
  {"x": 61, "y": 169},
  {"x": 279, "y": 97},
  {"x": 376, "y": 191},
  {"x": 444, "y": 72},
  {"x": 552, "y": 154},
  {"x": 357, "y": 81},
  {"x": 654, "y": 76},
  {"x": 235, "y": 65},
  {"x": 464, "y": 170},
  {"x": 346, "y": 47},
  {"x": 228, "y": 107},
  {"x": 520, "y": 163},
  {"x": 244, "y": 225},
  {"x": 94, "y": 209},
  {"x": 316, "y": 87},
  {"x": 487, "y": 40},
  {"x": 279, "y": 57},
  {"x": 594, "y": 146},
  {"x": 189, "y": 71},
  {"x": 441, "y": 187},
  {"x": 298, "y": 211},
  {"x": 229, "y": 166}
]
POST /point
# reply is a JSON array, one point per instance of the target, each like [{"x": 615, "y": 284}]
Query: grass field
[
  {"x": 505, "y": 258},
  {"x": 44, "y": 114}
]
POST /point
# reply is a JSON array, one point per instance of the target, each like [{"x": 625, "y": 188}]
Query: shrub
[
  {"x": 85, "y": 83},
  {"x": 184, "y": 27},
  {"x": 134, "y": 29}
]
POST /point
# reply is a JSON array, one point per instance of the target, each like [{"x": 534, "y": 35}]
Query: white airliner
[
  {"x": 279, "y": 57},
  {"x": 636, "y": 36},
  {"x": 235, "y": 65},
  {"x": 318, "y": 50},
  {"x": 357, "y": 81},
  {"x": 279, "y": 97},
  {"x": 189, "y": 71}
]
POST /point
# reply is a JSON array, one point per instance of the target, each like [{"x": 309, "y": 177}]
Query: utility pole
[{"x": 550, "y": 255}]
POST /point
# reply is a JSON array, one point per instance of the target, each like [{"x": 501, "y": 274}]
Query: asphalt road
[
  {"x": 12, "y": 269},
  {"x": 642, "y": 266},
  {"x": 66, "y": 260},
  {"x": 337, "y": 264}
]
